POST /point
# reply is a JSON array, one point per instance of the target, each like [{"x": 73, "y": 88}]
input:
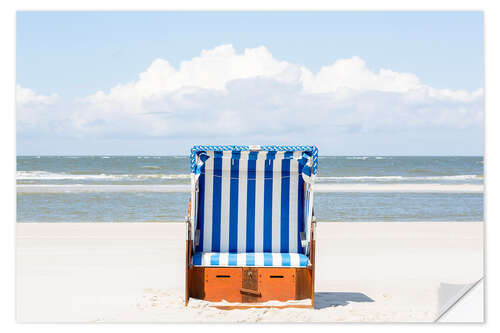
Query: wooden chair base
[
  {"x": 250, "y": 285},
  {"x": 243, "y": 307}
]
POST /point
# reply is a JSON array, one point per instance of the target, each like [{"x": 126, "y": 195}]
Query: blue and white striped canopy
[
  {"x": 253, "y": 202},
  {"x": 312, "y": 151}
]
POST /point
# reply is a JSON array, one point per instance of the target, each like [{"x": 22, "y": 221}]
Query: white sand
[{"x": 134, "y": 272}]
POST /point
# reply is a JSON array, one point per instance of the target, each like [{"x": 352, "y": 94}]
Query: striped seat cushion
[
  {"x": 259, "y": 259},
  {"x": 250, "y": 201}
]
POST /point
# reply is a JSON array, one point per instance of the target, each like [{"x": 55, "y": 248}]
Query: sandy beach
[{"x": 134, "y": 272}]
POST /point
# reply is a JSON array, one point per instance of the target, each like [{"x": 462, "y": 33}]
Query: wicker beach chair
[{"x": 250, "y": 226}]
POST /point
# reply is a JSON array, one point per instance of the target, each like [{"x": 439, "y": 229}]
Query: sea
[{"x": 155, "y": 188}]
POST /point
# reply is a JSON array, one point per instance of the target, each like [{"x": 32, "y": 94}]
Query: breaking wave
[
  {"x": 399, "y": 178},
  {"x": 45, "y": 175}
]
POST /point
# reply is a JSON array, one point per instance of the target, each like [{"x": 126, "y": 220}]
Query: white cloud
[
  {"x": 25, "y": 96},
  {"x": 252, "y": 94},
  {"x": 34, "y": 111}
]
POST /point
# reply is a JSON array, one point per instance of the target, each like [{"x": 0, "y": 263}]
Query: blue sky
[{"x": 72, "y": 55}]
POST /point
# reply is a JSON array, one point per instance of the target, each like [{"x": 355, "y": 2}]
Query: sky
[{"x": 156, "y": 83}]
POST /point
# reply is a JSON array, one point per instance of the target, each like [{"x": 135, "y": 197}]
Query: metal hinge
[
  {"x": 303, "y": 239},
  {"x": 197, "y": 237}
]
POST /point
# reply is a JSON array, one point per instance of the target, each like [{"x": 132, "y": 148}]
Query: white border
[{"x": 7, "y": 63}]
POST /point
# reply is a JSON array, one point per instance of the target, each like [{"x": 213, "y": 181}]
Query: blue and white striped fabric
[
  {"x": 257, "y": 259},
  {"x": 308, "y": 204},
  {"x": 251, "y": 203},
  {"x": 310, "y": 150}
]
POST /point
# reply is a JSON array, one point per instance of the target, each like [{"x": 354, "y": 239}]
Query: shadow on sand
[{"x": 327, "y": 299}]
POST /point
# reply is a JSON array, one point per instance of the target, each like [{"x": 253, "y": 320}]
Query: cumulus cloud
[
  {"x": 25, "y": 96},
  {"x": 35, "y": 111},
  {"x": 222, "y": 93}
]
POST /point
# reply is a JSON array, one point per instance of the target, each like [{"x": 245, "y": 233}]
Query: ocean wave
[
  {"x": 398, "y": 188},
  {"x": 457, "y": 177},
  {"x": 396, "y": 178},
  {"x": 80, "y": 175},
  {"x": 45, "y": 175},
  {"x": 357, "y": 157},
  {"x": 381, "y": 178},
  {"x": 419, "y": 171},
  {"x": 323, "y": 188},
  {"x": 367, "y": 157},
  {"x": 85, "y": 188},
  {"x": 151, "y": 167},
  {"x": 161, "y": 176}
]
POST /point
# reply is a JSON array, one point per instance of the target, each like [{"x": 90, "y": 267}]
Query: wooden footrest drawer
[
  {"x": 223, "y": 282},
  {"x": 249, "y": 284},
  {"x": 277, "y": 284}
]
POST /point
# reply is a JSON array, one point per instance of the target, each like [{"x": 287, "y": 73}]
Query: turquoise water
[{"x": 60, "y": 179}]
